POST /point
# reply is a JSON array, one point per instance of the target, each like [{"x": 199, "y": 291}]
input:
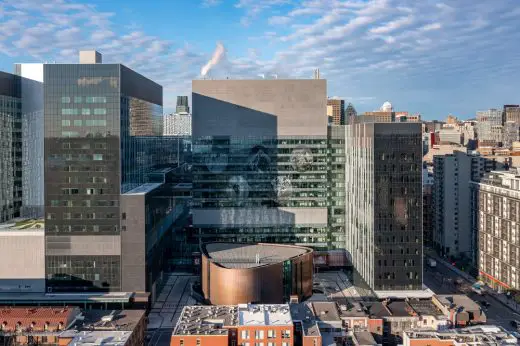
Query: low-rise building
[
  {"x": 71, "y": 326},
  {"x": 460, "y": 309},
  {"x": 239, "y": 325},
  {"x": 471, "y": 336}
]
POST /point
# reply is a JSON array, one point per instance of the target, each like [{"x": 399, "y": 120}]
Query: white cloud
[
  {"x": 393, "y": 25},
  {"x": 279, "y": 20}
]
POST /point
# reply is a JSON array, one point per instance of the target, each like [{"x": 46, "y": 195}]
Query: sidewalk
[{"x": 501, "y": 298}]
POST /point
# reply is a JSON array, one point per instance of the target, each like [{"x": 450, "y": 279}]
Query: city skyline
[{"x": 430, "y": 58}]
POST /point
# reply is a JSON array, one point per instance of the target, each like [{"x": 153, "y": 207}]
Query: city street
[{"x": 442, "y": 280}]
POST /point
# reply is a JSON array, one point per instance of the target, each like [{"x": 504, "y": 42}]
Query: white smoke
[{"x": 215, "y": 59}]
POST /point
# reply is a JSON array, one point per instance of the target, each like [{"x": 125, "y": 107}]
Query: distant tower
[
  {"x": 182, "y": 105},
  {"x": 350, "y": 111},
  {"x": 316, "y": 74}
]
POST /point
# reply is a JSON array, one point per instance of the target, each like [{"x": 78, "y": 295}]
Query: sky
[{"x": 434, "y": 57}]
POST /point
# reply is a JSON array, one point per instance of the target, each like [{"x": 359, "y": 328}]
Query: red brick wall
[
  {"x": 278, "y": 330},
  {"x": 205, "y": 340},
  {"x": 309, "y": 340}
]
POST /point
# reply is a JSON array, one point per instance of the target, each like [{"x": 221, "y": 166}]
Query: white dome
[{"x": 386, "y": 107}]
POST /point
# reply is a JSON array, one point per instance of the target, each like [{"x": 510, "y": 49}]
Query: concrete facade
[
  {"x": 23, "y": 260},
  {"x": 454, "y": 235}
]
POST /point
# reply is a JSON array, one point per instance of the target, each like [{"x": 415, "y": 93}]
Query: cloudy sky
[{"x": 429, "y": 56}]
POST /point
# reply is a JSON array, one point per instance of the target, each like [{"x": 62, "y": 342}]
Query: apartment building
[{"x": 497, "y": 219}]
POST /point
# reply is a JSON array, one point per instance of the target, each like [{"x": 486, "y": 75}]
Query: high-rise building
[
  {"x": 497, "y": 218},
  {"x": 21, "y": 145},
  {"x": 336, "y": 111},
  {"x": 384, "y": 204},
  {"x": 177, "y": 124},
  {"x": 453, "y": 234},
  {"x": 350, "y": 111},
  {"x": 105, "y": 160},
  {"x": 266, "y": 165},
  {"x": 182, "y": 105},
  {"x": 512, "y": 113},
  {"x": 490, "y": 127}
]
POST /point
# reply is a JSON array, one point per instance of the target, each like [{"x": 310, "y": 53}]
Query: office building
[
  {"x": 336, "y": 111},
  {"x": 453, "y": 235},
  {"x": 489, "y": 127},
  {"x": 384, "y": 204},
  {"x": 428, "y": 207},
  {"x": 234, "y": 273},
  {"x": 263, "y": 157},
  {"x": 21, "y": 146},
  {"x": 182, "y": 105},
  {"x": 450, "y": 136},
  {"x": 512, "y": 113},
  {"x": 177, "y": 124},
  {"x": 350, "y": 111},
  {"x": 496, "y": 215},
  {"x": 103, "y": 147}
]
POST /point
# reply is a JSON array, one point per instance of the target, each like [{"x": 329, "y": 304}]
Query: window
[
  {"x": 270, "y": 344},
  {"x": 97, "y": 157},
  {"x": 69, "y": 111},
  {"x": 65, "y": 122},
  {"x": 85, "y": 111},
  {"x": 271, "y": 334},
  {"x": 285, "y": 343},
  {"x": 68, "y": 134},
  {"x": 77, "y": 99},
  {"x": 77, "y": 122},
  {"x": 93, "y": 122},
  {"x": 181, "y": 342},
  {"x": 100, "y": 111},
  {"x": 123, "y": 216},
  {"x": 91, "y": 191},
  {"x": 245, "y": 334},
  {"x": 198, "y": 341},
  {"x": 65, "y": 99},
  {"x": 259, "y": 344},
  {"x": 286, "y": 334},
  {"x": 259, "y": 334}
]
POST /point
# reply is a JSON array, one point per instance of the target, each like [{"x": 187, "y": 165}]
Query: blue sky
[{"x": 434, "y": 57}]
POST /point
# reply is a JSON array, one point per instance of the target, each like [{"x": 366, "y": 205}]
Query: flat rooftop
[
  {"x": 400, "y": 308},
  {"x": 112, "y": 297},
  {"x": 460, "y": 300},
  {"x": 23, "y": 224},
  {"x": 236, "y": 255},
  {"x": 102, "y": 338},
  {"x": 476, "y": 335},
  {"x": 264, "y": 315},
  {"x": 425, "y": 307},
  {"x": 143, "y": 189},
  {"x": 364, "y": 338},
  {"x": 326, "y": 311},
  {"x": 206, "y": 320}
]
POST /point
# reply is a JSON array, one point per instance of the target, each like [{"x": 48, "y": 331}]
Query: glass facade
[
  {"x": 384, "y": 204},
  {"x": 102, "y": 128},
  {"x": 21, "y": 146},
  {"x": 286, "y": 172}
]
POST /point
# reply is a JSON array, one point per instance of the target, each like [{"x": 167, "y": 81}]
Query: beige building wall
[
  {"x": 23, "y": 261},
  {"x": 259, "y": 108}
]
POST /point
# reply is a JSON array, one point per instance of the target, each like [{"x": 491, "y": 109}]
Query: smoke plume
[{"x": 217, "y": 56}]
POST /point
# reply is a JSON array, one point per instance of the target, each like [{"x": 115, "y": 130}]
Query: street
[{"x": 442, "y": 280}]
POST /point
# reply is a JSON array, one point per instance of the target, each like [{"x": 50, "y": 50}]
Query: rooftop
[
  {"x": 476, "y": 335},
  {"x": 400, "y": 308},
  {"x": 37, "y": 317},
  {"x": 457, "y": 300},
  {"x": 424, "y": 307},
  {"x": 364, "y": 338},
  {"x": 206, "y": 320},
  {"x": 378, "y": 309},
  {"x": 23, "y": 224},
  {"x": 143, "y": 189},
  {"x": 326, "y": 311},
  {"x": 237, "y": 255},
  {"x": 100, "y": 338},
  {"x": 112, "y": 297},
  {"x": 264, "y": 315}
]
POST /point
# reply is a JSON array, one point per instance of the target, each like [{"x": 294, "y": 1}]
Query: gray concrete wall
[
  {"x": 133, "y": 253},
  {"x": 83, "y": 245},
  {"x": 259, "y": 216},
  {"x": 259, "y": 108},
  {"x": 23, "y": 261}
]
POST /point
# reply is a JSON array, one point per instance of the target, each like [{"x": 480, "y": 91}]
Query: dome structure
[{"x": 387, "y": 107}]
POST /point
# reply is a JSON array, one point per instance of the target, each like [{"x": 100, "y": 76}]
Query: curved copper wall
[{"x": 228, "y": 286}]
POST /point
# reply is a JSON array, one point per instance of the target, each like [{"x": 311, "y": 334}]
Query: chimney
[{"x": 89, "y": 57}]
